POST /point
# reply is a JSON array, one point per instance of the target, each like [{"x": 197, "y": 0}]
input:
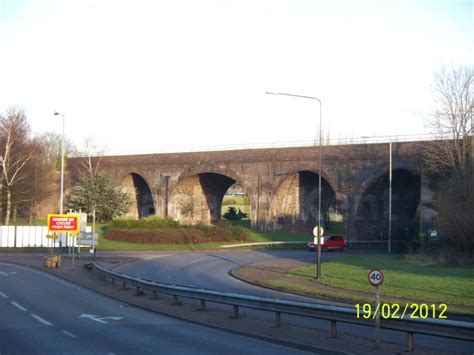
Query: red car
[{"x": 329, "y": 242}]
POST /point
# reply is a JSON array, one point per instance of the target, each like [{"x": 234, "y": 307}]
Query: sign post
[
  {"x": 376, "y": 279},
  {"x": 68, "y": 223},
  {"x": 318, "y": 233}
]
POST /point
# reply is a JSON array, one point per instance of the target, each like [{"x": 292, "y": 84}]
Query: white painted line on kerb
[
  {"x": 3, "y": 273},
  {"x": 3, "y": 295},
  {"x": 68, "y": 333},
  {"x": 19, "y": 306},
  {"x": 41, "y": 320}
]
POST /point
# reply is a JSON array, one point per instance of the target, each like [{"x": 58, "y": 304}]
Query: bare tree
[
  {"x": 450, "y": 158},
  {"x": 15, "y": 152},
  {"x": 37, "y": 185},
  {"x": 94, "y": 192},
  {"x": 52, "y": 146},
  {"x": 452, "y": 123}
]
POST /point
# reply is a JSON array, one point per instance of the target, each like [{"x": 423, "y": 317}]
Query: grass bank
[
  {"x": 405, "y": 277},
  {"x": 254, "y": 237}
]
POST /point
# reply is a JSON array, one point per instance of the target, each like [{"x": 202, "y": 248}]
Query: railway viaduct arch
[{"x": 282, "y": 184}]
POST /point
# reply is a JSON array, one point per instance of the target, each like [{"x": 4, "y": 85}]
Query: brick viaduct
[{"x": 282, "y": 184}]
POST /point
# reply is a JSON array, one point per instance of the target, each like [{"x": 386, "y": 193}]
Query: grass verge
[{"x": 405, "y": 278}]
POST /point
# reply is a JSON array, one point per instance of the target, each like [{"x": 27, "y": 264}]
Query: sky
[{"x": 147, "y": 76}]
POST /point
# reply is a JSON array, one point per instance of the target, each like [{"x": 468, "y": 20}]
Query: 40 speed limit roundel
[{"x": 375, "y": 277}]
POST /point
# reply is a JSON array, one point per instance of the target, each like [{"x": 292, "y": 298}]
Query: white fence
[{"x": 28, "y": 237}]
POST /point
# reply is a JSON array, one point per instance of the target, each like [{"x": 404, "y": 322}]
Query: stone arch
[
  {"x": 143, "y": 204},
  {"x": 294, "y": 206},
  {"x": 198, "y": 198},
  {"x": 372, "y": 212}
]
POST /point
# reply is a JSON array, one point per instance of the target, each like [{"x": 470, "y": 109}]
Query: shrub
[
  {"x": 233, "y": 215},
  {"x": 152, "y": 222},
  {"x": 222, "y": 232}
]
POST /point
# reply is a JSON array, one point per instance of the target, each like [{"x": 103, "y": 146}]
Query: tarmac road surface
[
  {"x": 42, "y": 314},
  {"x": 210, "y": 270}
]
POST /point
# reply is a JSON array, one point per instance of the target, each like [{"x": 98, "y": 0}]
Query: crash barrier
[{"x": 434, "y": 327}]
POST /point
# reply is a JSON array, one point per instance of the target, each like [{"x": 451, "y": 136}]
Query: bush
[
  {"x": 233, "y": 215},
  {"x": 222, "y": 232},
  {"x": 151, "y": 222}
]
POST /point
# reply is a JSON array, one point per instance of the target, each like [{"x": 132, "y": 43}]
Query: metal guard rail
[{"x": 433, "y": 327}]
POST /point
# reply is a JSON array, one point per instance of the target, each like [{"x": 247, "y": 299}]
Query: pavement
[{"x": 297, "y": 337}]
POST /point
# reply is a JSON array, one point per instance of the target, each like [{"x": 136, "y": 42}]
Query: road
[
  {"x": 42, "y": 314},
  {"x": 210, "y": 270}
]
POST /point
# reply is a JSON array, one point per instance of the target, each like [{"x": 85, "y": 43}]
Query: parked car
[{"x": 329, "y": 242}]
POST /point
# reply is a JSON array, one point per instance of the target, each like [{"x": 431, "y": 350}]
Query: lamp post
[
  {"x": 61, "y": 196},
  {"x": 389, "y": 248},
  {"x": 318, "y": 263},
  {"x": 390, "y": 196}
]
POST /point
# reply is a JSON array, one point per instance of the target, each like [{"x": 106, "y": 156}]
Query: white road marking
[
  {"x": 68, "y": 333},
  {"x": 3, "y": 273},
  {"x": 41, "y": 320},
  {"x": 13, "y": 272},
  {"x": 195, "y": 261},
  {"x": 3, "y": 295},
  {"x": 19, "y": 306},
  {"x": 99, "y": 319},
  {"x": 157, "y": 256}
]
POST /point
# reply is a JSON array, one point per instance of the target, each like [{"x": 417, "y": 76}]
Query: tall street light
[
  {"x": 318, "y": 264},
  {"x": 61, "y": 198}
]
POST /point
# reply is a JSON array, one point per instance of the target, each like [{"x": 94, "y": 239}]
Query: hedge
[
  {"x": 223, "y": 232},
  {"x": 152, "y": 222}
]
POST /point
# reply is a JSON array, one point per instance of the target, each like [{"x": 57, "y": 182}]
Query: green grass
[
  {"x": 246, "y": 223},
  {"x": 255, "y": 237},
  {"x": 111, "y": 245},
  {"x": 277, "y": 236},
  {"x": 236, "y": 200},
  {"x": 25, "y": 222},
  {"x": 314, "y": 291},
  {"x": 404, "y": 277}
]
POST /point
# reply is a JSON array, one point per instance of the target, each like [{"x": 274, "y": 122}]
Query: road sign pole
[
  {"x": 93, "y": 233},
  {"x": 73, "y": 251},
  {"x": 318, "y": 261},
  {"x": 377, "y": 317},
  {"x": 318, "y": 232},
  {"x": 376, "y": 278}
]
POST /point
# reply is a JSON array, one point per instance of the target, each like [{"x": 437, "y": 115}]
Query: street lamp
[
  {"x": 61, "y": 198},
  {"x": 389, "y": 191},
  {"x": 318, "y": 264}
]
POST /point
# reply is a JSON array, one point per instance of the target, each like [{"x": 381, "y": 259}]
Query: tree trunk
[
  {"x": 15, "y": 213},
  {"x": 8, "y": 206},
  {"x": 31, "y": 214}
]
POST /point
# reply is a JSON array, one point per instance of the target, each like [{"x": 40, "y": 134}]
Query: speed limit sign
[{"x": 375, "y": 277}]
